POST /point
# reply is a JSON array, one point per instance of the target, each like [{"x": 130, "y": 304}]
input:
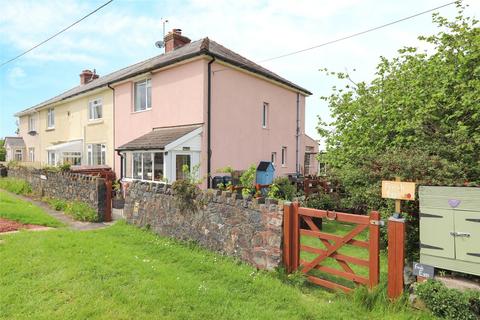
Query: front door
[{"x": 182, "y": 160}]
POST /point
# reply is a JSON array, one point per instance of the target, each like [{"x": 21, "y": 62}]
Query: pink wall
[
  {"x": 238, "y": 138},
  {"x": 177, "y": 99}
]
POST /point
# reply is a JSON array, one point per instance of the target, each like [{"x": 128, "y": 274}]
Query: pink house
[{"x": 201, "y": 104}]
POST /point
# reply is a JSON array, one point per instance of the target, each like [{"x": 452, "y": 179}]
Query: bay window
[{"x": 144, "y": 165}]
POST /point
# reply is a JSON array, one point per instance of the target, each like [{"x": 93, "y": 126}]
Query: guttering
[
  {"x": 297, "y": 137},
  {"x": 209, "y": 117},
  {"x": 113, "y": 116}
]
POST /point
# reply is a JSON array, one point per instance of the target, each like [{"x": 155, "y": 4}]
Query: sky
[{"x": 125, "y": 31}]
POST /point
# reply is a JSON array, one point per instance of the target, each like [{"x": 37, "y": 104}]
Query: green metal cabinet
[{"x": 450, "y": 228}]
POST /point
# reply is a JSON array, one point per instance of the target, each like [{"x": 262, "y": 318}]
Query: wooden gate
[{"x": 293, "y": 246}]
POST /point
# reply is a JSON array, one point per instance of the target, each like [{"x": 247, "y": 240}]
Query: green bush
[
  {"x": 322, "y": 201},
  {"x": 282, "y": 188},
  {"x": 57, "y": 204},
  {"x": 448, "y": 303},
  {"x": 17, "y": 186},
  {"x": 247, "y": 180},
  {"x": 81, "y": 211}
]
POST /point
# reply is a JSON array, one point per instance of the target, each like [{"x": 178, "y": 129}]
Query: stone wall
[
  {"x": 65, "y": 185},
  {"x": 225, "y": 223}
]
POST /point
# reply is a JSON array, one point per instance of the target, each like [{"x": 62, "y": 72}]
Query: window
[
  {"x": 284, "y": 156},
  {"x": 264, "y": 115},
  {"x": 143, "y": 95},
  {"x": 180, "y": 161},
  {"x": 96, "y": 154},
  {"x": 18, "y": 155},
  {"x": 32, "y": 126},
  {"x": 274, "y": 157},
  {"x": 31, "y": 154},
  {"x": 146, "y": 165},
  {"x": 51, "y": 118},
  {"x": 73, "y": 158},
  {"x": 95, "y": 109},
  {"x": 52, "y": 158}
]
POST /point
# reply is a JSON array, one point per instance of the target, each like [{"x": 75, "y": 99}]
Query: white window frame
[
  {"x": 284, "y": 156},
  {"x": 72, "y": 154},
  {"x": 92, "y": 106},
  {"x": 103, "y": 154},
  {"x": 265, "y": 108},
  {"x": 148, "y": 100},
  {"x": 18, "y": 152},
  {"x": 31, "y": 154},
  {"x": 54, "y": 158},
  {"x": 152, "y": 155},
  {"x": 51, "y": 118},
  {"x": 32, "y": 125}
]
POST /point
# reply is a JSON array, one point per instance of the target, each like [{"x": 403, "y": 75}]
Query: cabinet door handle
[{"x": 460, "y": 234}]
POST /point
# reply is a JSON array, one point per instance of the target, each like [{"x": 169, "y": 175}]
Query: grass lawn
[
  {"x": 22, "y": 211},
  {"x": 123, "y": 272}
]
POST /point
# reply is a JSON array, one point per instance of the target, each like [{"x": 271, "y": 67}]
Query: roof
[
  {"x": 200, "y": 47},
  {"x": 14, "y": 142},
  {"x": 264, "y": 165},
  {"x": 158, "y": 138},
  {"x": 68, "y": 146}
]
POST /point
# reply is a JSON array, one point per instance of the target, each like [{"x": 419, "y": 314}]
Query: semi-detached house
[{"x": 198, "y": 104}]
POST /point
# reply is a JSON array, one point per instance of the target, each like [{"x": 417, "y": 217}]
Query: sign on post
[{"x": 398, "y": 190}]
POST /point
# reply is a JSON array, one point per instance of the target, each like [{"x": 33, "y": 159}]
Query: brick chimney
[
  {"x": 87, "y": 76},
  {"x": 174, "y": 40}
]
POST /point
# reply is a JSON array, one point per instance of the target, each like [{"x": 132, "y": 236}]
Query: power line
[
  {"x": 349, "y": 36},
  {"x": 56, "y": 34}
]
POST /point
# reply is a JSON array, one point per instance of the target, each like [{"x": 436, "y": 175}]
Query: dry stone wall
[{"x": 225, "y": 222}]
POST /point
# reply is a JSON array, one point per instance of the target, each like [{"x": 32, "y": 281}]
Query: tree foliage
[{"x": 419, "y": 118}]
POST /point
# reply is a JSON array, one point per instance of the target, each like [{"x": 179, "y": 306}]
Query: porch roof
[
  {"x": 68, "y": 146},
  {"x": 158, "y": 138},
  {"x": 12, "y": 142}
]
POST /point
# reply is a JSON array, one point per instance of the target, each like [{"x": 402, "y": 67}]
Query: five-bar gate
[{"x": 295, "y": 217}]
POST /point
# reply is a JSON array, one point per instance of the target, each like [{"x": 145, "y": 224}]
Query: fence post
[
  {"x": 108, "y": 200},
  {"x": 396, "y": 256},
  {"x": 295, "y": 237},
  {"x": 374, "y": 249},
  {"x": 287, "y": 237}
]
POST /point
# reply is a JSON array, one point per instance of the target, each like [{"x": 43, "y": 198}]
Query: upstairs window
[
  {"x": 265, "y": 115},
  {"x": 32, "y": 124},
  {"x": 50, "y": 118},
  {"x": 143, "y": 95},
  {"x": 95, "y": 109}
]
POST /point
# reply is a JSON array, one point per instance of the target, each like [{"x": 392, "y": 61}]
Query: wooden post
[
  {"x": 396, "y": 256},
  {"x": 108, "y": 200},
  {"x": 374, "y": 249},
  {"x": 287, "y": 237},
  {"x": 295, "y": 237}
]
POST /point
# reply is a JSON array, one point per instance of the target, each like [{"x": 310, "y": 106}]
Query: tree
[
  {"x": 418, "y": 119},
  {"x": 3, "y": 152}
]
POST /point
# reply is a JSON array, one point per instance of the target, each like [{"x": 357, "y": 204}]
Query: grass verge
[
  {"x": 123, "y": 272},
  {"x": 22, "y": 211},
  {"x": 17, "y": 186}
]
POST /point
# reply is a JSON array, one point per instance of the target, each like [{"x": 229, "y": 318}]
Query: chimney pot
[{"x": 174, "y": 40}]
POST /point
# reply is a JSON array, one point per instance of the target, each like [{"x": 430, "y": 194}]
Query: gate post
[
  {"x": 295, "y": 237},
  {"x": 396, "y": 256},
  {"x": 287, "y": 236},
  {"x": 374, "y": 249},
  {"x": 108, "y": 200}
]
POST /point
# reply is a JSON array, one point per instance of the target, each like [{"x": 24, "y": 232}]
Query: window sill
[
  {"x": 96, "y": 121},
  {"x": 140, "y": 111},
  {"x": 50, "y": 129}
]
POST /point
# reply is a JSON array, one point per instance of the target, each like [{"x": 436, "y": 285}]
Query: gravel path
[{"x": 66, "y": 219}]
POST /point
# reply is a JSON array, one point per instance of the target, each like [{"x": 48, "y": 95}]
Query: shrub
[
  {"x": 17, "y": 186},
  {"x": 65, "y": 167},
  {"x": 81, "y": 211},
  {"x": 247, "y": 180},
  {"x": 282, "y": 188},
  {"x": 57, "y": 204},
  {"x": 448, "y": 303},
  {"x": 186, "y": 191},
  {"x": 322, "y": 201}
]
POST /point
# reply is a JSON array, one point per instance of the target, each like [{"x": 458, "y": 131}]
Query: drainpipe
[
  {"x": 297, "y": 136},
  {"x": 121, "y": 164},
  {"x": 209, "y": 128},
  {"x": 113, "y": 128}
]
